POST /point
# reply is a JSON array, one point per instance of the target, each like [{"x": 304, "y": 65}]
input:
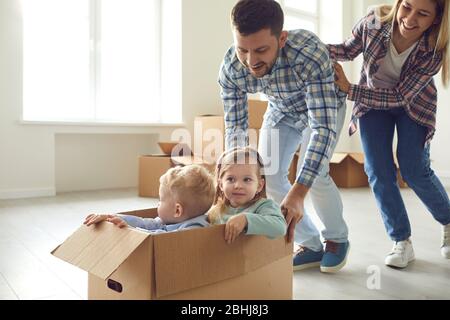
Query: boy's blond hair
[{"x": 192, "y": 186}]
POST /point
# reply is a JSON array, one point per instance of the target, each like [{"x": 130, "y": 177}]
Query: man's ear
[
  {"x": 283, "y": 38},
  {"x": 178, "y": 210}
]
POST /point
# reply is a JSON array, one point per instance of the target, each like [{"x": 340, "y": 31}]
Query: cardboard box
[
  {"x": 191, "y": 264},
  {"x": 401, "y": 183},
  {"x": 187, "y": 160},
  {"x": 209, "y": 133},
  {"x": 292, "y": 174},
  {"x": 151, "y": 168},
  {"x": 347, "y": 170},
  {"x": 177, "y": 148},
  {"x": 212, "y": 130},
  {"x": 256, "y": 111}
]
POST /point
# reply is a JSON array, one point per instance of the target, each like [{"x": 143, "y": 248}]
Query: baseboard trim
[{"x": 26, "y": 193}]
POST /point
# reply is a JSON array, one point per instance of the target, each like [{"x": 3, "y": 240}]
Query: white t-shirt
[{"x": 388, "y": 73}]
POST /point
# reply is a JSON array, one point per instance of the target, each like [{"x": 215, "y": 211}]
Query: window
[
  {"x": 301, "y": 14},
  {"x": 102, "y": 61}
]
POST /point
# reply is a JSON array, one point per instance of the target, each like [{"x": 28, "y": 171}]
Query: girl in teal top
[{"x": 240, "y": 200}]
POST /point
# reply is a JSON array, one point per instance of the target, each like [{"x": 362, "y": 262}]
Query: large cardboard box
[
  {"x": 211, "y": 129},
  {"x": 191, "y": 264},
  {"x": 151, "y": 168},
  {"x": 292, "y": 173},
  {"x": 347, "y": 170},
  {"x": 256, "y": 111},
  {"x": 188, "y": 160},
  {"x": 208, "y": 138}
]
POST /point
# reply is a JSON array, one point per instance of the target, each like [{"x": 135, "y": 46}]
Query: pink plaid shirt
[{"x": 415, "y": 92}]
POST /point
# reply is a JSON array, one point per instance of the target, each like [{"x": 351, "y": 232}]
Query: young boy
[{"x": 185, "y": 193}]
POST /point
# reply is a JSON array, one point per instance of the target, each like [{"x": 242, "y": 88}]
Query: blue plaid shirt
[{"x": 300, "y": 85}]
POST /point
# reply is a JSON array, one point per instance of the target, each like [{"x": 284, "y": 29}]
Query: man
[{"x": 294, "y": 71}]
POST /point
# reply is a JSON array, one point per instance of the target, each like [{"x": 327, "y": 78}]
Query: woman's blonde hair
[
  {"x": 439, "y": 33},
  {"x": 192, "y": 186},
  {"x": 229, "y": 158}
]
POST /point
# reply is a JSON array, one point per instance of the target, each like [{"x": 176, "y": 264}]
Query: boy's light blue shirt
[
  {"x": 155, "y": 225},
  {"x": 264, "y": 217}
]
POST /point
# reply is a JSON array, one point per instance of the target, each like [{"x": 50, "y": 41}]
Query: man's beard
[{"x": 267, "y": 66}]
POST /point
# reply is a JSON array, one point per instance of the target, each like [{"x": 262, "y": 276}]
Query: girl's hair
[
  {"x": 229, "y": 158},
  {"x": 192, "y": 186},
  {"x": 439, "y": 33}
]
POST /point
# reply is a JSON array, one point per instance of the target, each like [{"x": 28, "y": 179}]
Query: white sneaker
[
  {"x": 445, "y": 248},
  {"x": 401, "y": 254}
]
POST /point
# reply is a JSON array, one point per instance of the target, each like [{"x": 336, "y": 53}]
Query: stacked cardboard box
[
  {"x": 192, "y": 264},
  {"x": 347, "y": 170},
  {"x": 212, "y": 130},
  {"x": 207, "y": 146},
  {"x": 208, "y": 137},
  {"x": 256, "y": 111},
  {"x": 151, "y": 168}
]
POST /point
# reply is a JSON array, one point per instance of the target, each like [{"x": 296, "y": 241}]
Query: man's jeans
[
  {"x": 377, "y": 132},
  {"x": 324, "y": 193}
]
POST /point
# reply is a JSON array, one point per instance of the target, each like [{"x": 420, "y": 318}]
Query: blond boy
[{"x": 185, "y": 193}]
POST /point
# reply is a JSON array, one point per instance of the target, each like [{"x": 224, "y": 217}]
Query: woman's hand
[
  {"x": 234, "y": 227},
  {"x": 341, "y": 80}
]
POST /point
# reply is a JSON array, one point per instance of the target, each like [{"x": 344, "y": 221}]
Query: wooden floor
[{"x": 31, "y": 228}]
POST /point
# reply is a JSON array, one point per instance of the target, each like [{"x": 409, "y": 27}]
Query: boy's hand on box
[
  {"x": 118, "y": 221},
  {"x": 234, "y": 227},
  {"x": 96, "y": 218}
]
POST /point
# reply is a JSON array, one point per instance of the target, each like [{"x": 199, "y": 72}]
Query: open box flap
[{"x": 100, "y": 249}]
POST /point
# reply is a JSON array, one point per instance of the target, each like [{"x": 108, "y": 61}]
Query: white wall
[
  {"x": 98, "y": 161},
  {"x": 440, "y": 152},
  {"x": 206, "y": 37},
  {"x": 35, "y": 163}
]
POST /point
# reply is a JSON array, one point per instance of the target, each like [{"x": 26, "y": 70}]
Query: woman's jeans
[
  {"x": 323, "y": 192},
  {"x": 377, "y": 132}
]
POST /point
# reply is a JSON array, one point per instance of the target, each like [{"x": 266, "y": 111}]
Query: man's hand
[
  {"x": 292, "y": 207},
  {"x": 341, "y": 80},
  {"x": 234, "y": 227}
]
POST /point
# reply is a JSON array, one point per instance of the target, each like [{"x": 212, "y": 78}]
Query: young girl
[
  {"x": 240, "y": 199},
  {"x": 403, "y": 46}
]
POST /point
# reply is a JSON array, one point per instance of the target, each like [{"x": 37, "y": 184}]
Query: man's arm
[{"x": 321, "y": 102}]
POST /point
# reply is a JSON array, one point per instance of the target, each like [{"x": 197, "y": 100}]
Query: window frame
[
  {"x": 305, "y": 15},
  {"x": 95, "y": 74}
]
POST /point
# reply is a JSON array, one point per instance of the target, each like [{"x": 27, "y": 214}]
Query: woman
[{"x": 403, "y": 46}]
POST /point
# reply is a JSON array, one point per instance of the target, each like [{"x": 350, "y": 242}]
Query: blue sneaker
[
  {"x": 306, "y": 258},
  {"x": 335, "y": 256}
]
